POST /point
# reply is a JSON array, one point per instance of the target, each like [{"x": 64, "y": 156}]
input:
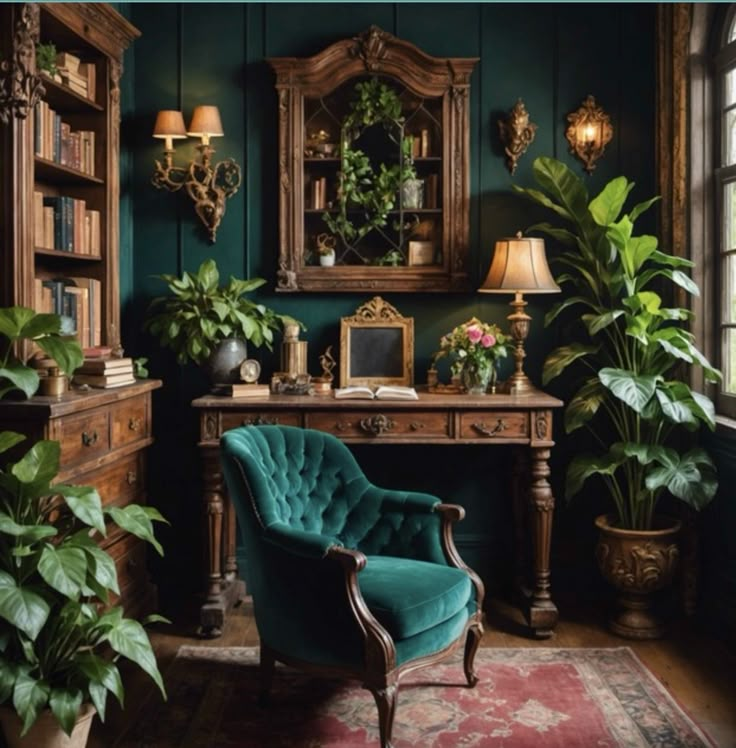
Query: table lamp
[{"x": 519, "y": 266}]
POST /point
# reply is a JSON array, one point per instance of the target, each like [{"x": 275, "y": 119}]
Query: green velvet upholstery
[{"x": 299, "y": 495}]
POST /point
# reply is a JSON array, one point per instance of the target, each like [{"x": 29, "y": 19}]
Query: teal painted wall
[{"x": 552, "y": 56}]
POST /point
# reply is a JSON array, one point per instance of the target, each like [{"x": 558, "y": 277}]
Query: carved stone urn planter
[
  {"x": 638, "y": 563},
  {"x": 46, "y": 731}
]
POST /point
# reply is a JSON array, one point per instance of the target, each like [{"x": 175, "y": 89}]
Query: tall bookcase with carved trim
[{"x": 413, "y": 117}]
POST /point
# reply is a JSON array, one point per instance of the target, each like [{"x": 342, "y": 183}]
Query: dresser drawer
[
  {"x": 494, "y": 424},
  {"x": 233, "y": 420},
  {"x": 129, "y": 555},
  {"x": 129, "y": 421},
  {"x": 118, "y": 482},
  {"x": 372, "y": 424},
  {"x": 84, "y": 436}
]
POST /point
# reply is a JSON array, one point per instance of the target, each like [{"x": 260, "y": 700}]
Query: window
[{"x": 724, "y": 261}]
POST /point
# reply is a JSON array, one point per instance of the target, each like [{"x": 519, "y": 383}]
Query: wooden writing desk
[{"x": 524, "y": 421}]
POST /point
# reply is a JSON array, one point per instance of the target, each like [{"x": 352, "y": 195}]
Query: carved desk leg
[
  {"x": 542, "y": 613},
  {"x": 519, "y": 493},
  {"x": 231, "y": 561}
]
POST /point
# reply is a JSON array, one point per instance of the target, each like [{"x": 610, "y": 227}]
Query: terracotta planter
[
  {"x": 638, "y": 563},
  {"x": 46, "y": 731}
]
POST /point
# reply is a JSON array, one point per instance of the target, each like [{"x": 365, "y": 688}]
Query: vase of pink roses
[{"x": 476, "y": 348}]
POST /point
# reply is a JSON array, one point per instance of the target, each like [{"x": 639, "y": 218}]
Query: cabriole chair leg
[
  {"x": 475, "y": 634},
  {"x": 386, "y": 702}
]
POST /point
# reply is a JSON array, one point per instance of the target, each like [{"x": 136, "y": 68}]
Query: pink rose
[
  {"x": 487, "y": 340},
  {"x": 474, "y": 334}
]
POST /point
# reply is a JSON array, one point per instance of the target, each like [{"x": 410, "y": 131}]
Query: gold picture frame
[{"x": 376, "y": 346}]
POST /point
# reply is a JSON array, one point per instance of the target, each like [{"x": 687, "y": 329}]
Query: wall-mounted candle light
[{"x": 588, "y": 132}]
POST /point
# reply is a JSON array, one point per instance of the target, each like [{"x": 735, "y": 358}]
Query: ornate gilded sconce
[
  {"x": 517, "y": 133},
  {"x": 588, "y": 133},
  {"x": 207, "y": 185}
]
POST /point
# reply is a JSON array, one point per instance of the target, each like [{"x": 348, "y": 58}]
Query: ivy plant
[{"x": 626, "y": 350}]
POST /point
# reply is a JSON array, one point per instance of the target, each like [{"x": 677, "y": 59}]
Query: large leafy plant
[
  {"x": 59, "y": 641},
  {"x": 19, "y": 324},
  {"x": 627, "y": 351},
  {"x": 201, "y": 313}
]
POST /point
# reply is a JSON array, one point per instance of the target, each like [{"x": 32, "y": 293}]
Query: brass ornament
[
  {"x": 589, "y": 132},
  {"x": 517, "y": 134},
  {"x": 20, "y": 85},
  {"x": 375, "y": 309},
  {"x": 208, "y": 186}
]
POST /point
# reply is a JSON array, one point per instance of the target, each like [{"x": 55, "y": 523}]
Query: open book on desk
[{"x": 384, "y": 392}]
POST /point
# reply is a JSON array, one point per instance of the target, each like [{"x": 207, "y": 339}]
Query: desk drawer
[
  {"x": 494, "y": 424},
  {"x": 84, "y": 437},
  {"x": 119, "y": 482},
  {"x": 129, "y": 421},
  {"x": 372, "y": 424},
  {"x": 129, "y": 555},
  {"x": 233, "y": 420}
]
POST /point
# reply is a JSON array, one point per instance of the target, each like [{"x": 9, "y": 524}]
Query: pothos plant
[
  {"x": 627, "y": 347},
  {"x": 59, "y": 638},
  {"x": 358, "y": 184},
  {"x": 200, "y": 313}
]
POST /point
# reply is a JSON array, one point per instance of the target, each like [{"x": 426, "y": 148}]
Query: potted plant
[
  {"x": 627, "y": 349},
  {"x": 476, "y": 348},
  {"x": 326, "y": 250},
  {"x": 19, "y": 325},
  {"x": 59, "y": 638},
  {"x": 209, "y": 323}
]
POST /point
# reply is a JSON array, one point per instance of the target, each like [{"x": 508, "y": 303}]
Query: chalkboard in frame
[{"x": 376, "y": 346}]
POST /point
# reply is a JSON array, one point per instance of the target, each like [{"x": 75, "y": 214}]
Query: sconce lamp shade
[
  {"x": 169, "y": 124},
  {"x": 519, "y": 265},
  {"x": 205, "y": 123}
]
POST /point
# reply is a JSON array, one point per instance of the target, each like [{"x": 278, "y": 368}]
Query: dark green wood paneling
[{"x": 551, "y": 56}]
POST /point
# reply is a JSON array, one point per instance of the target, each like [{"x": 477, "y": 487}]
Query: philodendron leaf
[
  {"x": 584, "y": 405},
  {"x": 563, "y": 185},
  {"x": 597, "y": 322},
  {"x": 607, "y": 205},
  {"x": 103, "y": 676},
  {"x": 29, "y": 533},
  {"x": 562, "y": 357},
  {"x": 85, "y": 504},
  {"x": 134, "y": 519},
  {"x": 65, "y": 704},
  {"x": 8, "y": 439},
  {"x": 8, "y": 674},
  {"x": 21, "y": 378},
  {"x": 583, "y": 466},
  {"x": 677, "y": 411},
  {"x": 65, "y": 351},
  {"x": 129, "y": 639},
  {"x": 39, "y": 464},
  {"x": 64, "y": 569},
  {"x": 691, "y": 478},
  {"x": 22, "y": 607},
  {"x": 634, "y": 390},
  {"x": 30, "y": 696},
  {"x": 13, "y": 319}
]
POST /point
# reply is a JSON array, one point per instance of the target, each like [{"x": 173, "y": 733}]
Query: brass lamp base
[{"x": 519, "y": 383}]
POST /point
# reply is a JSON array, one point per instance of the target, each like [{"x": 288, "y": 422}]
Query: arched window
[{"x": 724, "y": 189}]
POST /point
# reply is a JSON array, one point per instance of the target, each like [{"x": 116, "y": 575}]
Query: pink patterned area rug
[{"x": 526, "y": 698}]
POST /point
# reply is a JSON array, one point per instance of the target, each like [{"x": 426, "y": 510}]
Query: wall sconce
[
  {"x": 517, "y": 133},
  {"x": 588, "y": 133},
  {"x": 519, "y": 266},
  {"x": 207, "y": 185}
]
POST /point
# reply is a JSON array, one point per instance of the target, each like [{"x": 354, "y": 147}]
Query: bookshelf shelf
[
  {"x": 64, "y": 98},
  {"x": 64, "y": 256},
  {"x": 50, "y": 171}
]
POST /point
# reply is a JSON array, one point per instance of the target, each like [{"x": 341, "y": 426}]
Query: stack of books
[
  {"x": 105, "y": 372},
  {"x": 77, "y": 75},
  {"x": 243, "y": 389}
]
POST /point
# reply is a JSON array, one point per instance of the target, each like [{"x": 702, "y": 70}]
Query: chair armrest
[
  {"x": 405, "y": 502},
  {"x": 299, "y": 542}
]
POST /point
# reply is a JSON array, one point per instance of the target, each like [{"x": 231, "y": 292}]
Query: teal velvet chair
[{"x": 347, "y": 579}]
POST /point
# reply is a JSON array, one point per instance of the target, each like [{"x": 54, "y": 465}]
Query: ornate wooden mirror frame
[{"x": 445, "y": 82}]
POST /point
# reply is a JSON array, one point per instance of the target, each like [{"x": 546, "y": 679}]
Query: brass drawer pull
[
  {"x": 261, "y": 420},
  {"x": 134, "y": 424},
  {"x": 89, "y": 439},
  {"x": 131, "y": 478},
  {"x": 416, "y": 425},
  {"x": 495, "y": 431},
  {"x": 376, "y": 425}
]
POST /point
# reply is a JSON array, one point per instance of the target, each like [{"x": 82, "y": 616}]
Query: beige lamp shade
[
  {"x": 519, "y": 265},
  {"x": 205, "y": 123},
  {"x": 169, "y": 124}
]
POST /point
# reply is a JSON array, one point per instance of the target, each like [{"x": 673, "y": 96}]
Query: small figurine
[{"x": 323, "y": 385}]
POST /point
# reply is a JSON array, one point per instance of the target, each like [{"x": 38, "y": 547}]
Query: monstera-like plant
[{"x": 626, "y": 354}]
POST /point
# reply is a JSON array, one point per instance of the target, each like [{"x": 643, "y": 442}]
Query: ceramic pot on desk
[{"x": 223, "y": 365}]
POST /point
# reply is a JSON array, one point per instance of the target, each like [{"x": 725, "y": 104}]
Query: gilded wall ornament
[
  {"x": 517, "y": 134},
  {"x": 588, "y": 133}
]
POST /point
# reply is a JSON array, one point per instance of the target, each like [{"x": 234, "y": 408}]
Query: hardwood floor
[{"x": 698, "y": 671}]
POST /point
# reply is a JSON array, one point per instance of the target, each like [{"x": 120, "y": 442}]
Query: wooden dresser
[{"x": 103, "y": 436}]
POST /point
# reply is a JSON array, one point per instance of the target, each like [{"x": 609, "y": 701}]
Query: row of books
[
  {"x": 66, "y": 224},
  {"x": 78, "y": 299},
  {"x": 54, "y": 140},
  {"x": 105, "y": 372},
  {"x": 318, "y": 196},
  {"x": 80, "y": 76}
]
